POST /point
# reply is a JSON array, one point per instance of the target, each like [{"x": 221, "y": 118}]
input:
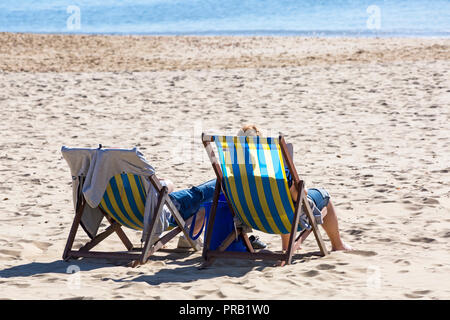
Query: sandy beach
[{"x": 369, "y": 119}]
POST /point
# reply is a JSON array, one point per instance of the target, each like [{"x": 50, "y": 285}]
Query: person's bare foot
[
  {"x": 280, "y": 264},
  {"x": 342, "y": 247}
]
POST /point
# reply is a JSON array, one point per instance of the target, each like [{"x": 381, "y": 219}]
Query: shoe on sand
[
  {"x": 256, "y": 242},
  {"x": 183, "y": 243}
]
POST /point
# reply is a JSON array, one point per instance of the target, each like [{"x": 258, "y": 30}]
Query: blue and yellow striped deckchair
[
  {"x": 251, "y": 172},
  {"x": 123, "y": 204},
  {"x": 124, "y": 200}
]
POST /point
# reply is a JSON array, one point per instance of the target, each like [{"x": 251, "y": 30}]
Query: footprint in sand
[
  {"x": 422, "y": 292},
  {"x": 422, "y": 239},
  {"x": 38, "y": 244},
  {"x": 414, "y": 207},
  {"x": 402, "y": 262},
  {"x": 128, "y": 285},
  {"x": 325, "y": 266},
  {"x": 13, "y": 253},
  {"x": 22, "y": 285},
  {"x": 78, "y": 298},
  {"x": 446, "y": 234},
  {"x": 430, "y": 201},
  {"x": 354, "y": 232},
  {"x": 412, "y": 296},
  {"x": 311, "y": 273},
  {"x": 417, "y": 294},
  {"x": 363, "y": 253}
]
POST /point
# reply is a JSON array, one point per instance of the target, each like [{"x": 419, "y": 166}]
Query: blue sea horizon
[{"x": 339, "y": 18}]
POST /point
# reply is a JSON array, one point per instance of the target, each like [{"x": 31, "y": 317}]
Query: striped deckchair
[
  {"x": 123, "y": 205},
  {"x": 251, "y": 173},
  {"x": 124, "y": 200}
]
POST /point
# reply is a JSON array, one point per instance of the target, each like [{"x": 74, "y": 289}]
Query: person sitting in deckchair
[
  {"x": 188, "y": 202},
  {"x": 319, "y": 200}
]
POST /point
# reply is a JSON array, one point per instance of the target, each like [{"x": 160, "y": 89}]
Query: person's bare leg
[
  {"x": 305, "y": 234},
  {"x": 199, "y": 220},
  {"x": 169, "y": 184},
  {"x": 285, "y": 241},
  {"x": 331, "y": 226}
]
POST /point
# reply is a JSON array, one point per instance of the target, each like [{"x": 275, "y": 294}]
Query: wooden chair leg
[
  {"x": 247, "y": 242},
  {"x": 315, "y": 229},
  {"x": 183, "y": 225},
  {"x": 123, "y": 237},
  {"x": 146, "y": 249},
  {"x": 212, "y": 217},
  {"x": 206, "y": 263},
  {"x": 301, "y": 238},
  {"x": 163, "y": 240},
  {"x": 227, "y": 241},
  {"x": 298, "y": 205},
  {"x": 74, "y": 229},
  {"x": 134, "y": 263},
  {"x": 120, "y": 233},
  {"x": 99, "y": 238}
]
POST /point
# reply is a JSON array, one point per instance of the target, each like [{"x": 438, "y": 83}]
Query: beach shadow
[
  {"x": 188, "y": 270},
  {"x": 59, "y": 266},
  {"x": 82, "y": 264}
]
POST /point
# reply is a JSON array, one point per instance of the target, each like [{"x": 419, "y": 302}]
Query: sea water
[{"x": 229, "y": 17}]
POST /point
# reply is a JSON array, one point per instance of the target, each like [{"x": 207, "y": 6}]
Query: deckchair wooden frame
[
  {"x": 294, "y": 240},
  {"x": 134, "y": 255}
]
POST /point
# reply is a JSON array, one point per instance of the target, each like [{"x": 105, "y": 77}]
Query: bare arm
[
  {"x": 285, "y": 237},
  {"x": 294, "y": 192},
  {"x": 169, "y": 184}
]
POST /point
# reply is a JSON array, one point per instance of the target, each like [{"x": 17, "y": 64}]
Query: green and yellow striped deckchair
[{"x": 251, "y": 173}]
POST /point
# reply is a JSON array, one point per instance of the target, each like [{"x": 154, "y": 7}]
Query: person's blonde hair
[{"x": 249, "y": 130}]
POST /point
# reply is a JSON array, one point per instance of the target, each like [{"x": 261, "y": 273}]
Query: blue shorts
[{"x": 319, "y": 196}]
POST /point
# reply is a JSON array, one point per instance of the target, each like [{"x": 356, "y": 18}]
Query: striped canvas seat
[
  {"x": 255, "y": 182},
  {"x": 124, "y": 200},
  {"x": 134, "y": 198}
]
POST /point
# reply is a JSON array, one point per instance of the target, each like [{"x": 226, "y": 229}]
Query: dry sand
[{"x": 369, "y": 119}]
